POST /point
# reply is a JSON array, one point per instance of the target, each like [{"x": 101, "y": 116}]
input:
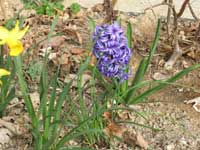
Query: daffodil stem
[{"x": 24, "y": 90}]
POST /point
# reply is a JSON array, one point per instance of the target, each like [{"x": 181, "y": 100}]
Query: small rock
[
  {"x": 170, "y": 147},
  {"x": 159, "y": 76},
  {"x": 183, "y": 141}
]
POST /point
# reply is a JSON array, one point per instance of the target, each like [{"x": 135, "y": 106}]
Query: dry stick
[
  {"x": 182, "y": 8},
  {"x": 197, "y": 19},
  {"x": 192, "y": 12},
  {"x": 156, "y": 5},
  {"x": 197, "y": 33},
  {"x": 177, "y": 50},
  {"x": 168, "y": 17},
  {"x": 108, "y": 8}
]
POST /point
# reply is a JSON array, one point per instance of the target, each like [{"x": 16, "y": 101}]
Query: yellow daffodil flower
[
  {"x": 12, "y": 38},
  {"x": 3, "y": 72}
]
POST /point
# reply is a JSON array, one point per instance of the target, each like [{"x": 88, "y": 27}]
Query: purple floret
[{"x": 112, "y": 51}]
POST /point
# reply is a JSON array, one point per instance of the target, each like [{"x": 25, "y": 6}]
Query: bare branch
[
  {"x": 192, "y": 12},
  {"x": 182, "y": 8}
]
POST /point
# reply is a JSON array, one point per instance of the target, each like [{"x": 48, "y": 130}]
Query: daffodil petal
[
  {"x": 3, "y": 33},
  {"x": 16, "y": 28},
  {"x": 4, "y": 72},
  {"x": 15, "y": 47},
  {"x": 2, "y": 42},
  {"x": 15, "y": 33},
  {"x": 21, "y": 33}
]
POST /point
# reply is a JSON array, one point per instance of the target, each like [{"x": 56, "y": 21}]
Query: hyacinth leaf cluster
[{"x": 111, "y": 51}]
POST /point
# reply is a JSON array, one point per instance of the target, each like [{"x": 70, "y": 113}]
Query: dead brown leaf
[
  {"x": 112, "y": 129},
  {"x": 135, "y": 138},
  {"x": 64, "y": 59},
  {"x": 77, "y": 51},
  {"x": 107, "y": 116},
  {"x": 53, "y": 42},
  {"x": 74, "y": 34}
]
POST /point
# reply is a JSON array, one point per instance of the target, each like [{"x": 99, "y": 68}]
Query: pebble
[{"x": 170, "y": 147}]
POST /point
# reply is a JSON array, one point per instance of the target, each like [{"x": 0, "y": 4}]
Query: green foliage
[
  {"x": 46, "y": 7},
  {"x": 7, "y": 89},
  {"x": 75, "y": 8},
  {"x": 34, "y": 70}
]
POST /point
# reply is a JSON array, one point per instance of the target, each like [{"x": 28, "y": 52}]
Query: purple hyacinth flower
[{"x": 112, "y": 51}]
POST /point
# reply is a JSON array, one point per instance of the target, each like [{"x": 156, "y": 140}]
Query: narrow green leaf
[
  {"x": 75, "y": 135},
  {"x": 138, "y": 78},
  {"x": 59, "y": 104},
  {"x": 10, "y": 96},
  {"x": 92, "y": 24},
  {"x": 163, "y": 84},
  {"x": 129, "y": 35},
  {"x": 155, "y": 44}
]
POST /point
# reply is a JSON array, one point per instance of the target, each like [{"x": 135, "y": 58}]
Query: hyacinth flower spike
[
  {"x": 3, "y": 72},
  {"x": 12, "y": 39},
  {"x": 111, "y": 51}
]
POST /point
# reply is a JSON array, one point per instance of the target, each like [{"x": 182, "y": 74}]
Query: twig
[
  {"x": 182, "y": 8},
  {"x": 109, "y": 9},
  {"x": 192, "y": 12},
  {"x": 168, "y": 17},
  {"x": 198, "y": 32},
  {"x": 157, "y": 5}
]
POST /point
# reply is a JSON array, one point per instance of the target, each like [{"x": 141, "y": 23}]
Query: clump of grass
[
  {"x": 75, "y": 8},
  {"x": 46, "y": 7}
]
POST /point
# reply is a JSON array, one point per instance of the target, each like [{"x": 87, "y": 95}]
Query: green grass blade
[
  {"x": 138, "y": 124},
  {"x": 138, "y": 78},
  {"x": 129, "y": 35},
  {"x": 51, "y": 104},
  {"x": 163, "y": 84},
  {"x": 58, "y": 107},
  {"x": 76, "y": 135},
  {"x": 144, "y": 65},
  {"x": 9, "y": 97},
  {"x": 24, "y": 90},
  {"x": 92, "y": 24},
  {"x": 155, "y": 44}
]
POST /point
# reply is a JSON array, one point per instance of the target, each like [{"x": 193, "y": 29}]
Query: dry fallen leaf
[
  {"x": 53, "y": 42},
  {"x": 77, "y": 51},
  {"x": 107, "y": 116},
  {"x": 132, "y": 137},
  {"x": 135, "y": 138},
  {"x": 74, "y": 34},
  {"x": 112, "y": 129}
]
